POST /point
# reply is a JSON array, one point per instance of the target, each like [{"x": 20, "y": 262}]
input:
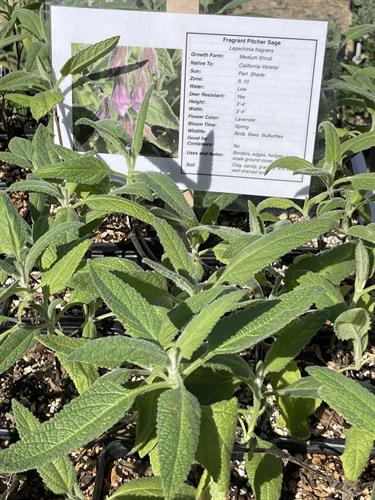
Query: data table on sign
[{"x": 247, "y": 102}]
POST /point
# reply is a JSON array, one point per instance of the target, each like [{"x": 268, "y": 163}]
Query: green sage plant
[{"x": 190, "y": 330}]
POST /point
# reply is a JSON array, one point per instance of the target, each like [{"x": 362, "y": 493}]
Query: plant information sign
[{"x": 232, "y": 94}]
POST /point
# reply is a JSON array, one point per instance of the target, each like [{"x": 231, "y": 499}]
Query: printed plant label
[{"x": 231, "y": 95}]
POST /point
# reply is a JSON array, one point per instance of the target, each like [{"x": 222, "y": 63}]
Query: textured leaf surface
[
  {"x": 111, "y": 131},
  {"x": 31, "y": 22},
  {"x": 305, "y": 387},
  {"x": 89, "y": 55},
  {"x": 347, "y": 397},
  {"x": 57, "y": 234},
  {"x": 182, "y": 313},
  {"x": 150, "y": 487},
  {"x": 174, "y": 248},
  {"x": 198, "y": 329},
  {"x": 15, "y": 159},
  {"x": 265, "y": 473},
  {"x": 294, "y": 411},
  {"x": 80, "y": 421},
  {"x": 354, "y": 325},
  {"x": 168, "y": 191},
  {"x": 358, "y": 445},
  {"x": 112, "y": 352},
  {"x": 291, "y": 340},
  {"x": 359, "y": 143},
  {"x": 332, "y": 157},
  {"x": 35, "y": 186},
  {"x": 335, "y": 265},
  {"x": 115, "y": 204},
  {"x": 59, "y": 475},
  {"x": 180, "y": 281},
  {"x": 82, "y": 375},
  {"x": 58, "y": 275},
  {"x": 293, "y": 163},
  {"x": 150, "y": 284},
  {"x": 16, "y": 345},
  {"x": 272, "y": 246},
  {"x": 138, "y": 316},
  {"x": 13, "y": 229},
  {"x": 83, "y": 170},
  {"x": 217, "y": 435},
  {"x": 364, "y": 232},
  {"x": 17, "y": 81},
  {"x": 248, "y": 327},
  {"x": 178, "y": 424},
  {"x": 43, "y": 102},
  {"x": 331, "y": 300},
  {"x": 140, "y": 124}
]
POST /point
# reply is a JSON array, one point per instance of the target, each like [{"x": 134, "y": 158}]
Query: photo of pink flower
[
  {"x": 120, "y": 97},
  {"x": 115, "y": 90}
]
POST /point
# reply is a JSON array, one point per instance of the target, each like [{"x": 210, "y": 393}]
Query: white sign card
[{"x": 232, "y": 93}]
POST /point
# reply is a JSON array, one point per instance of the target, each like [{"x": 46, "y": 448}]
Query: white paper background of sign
[{"x": 164, "y": 30}]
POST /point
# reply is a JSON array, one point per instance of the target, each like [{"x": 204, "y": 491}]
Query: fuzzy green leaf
[
  {"x": 290, "y": 341},
  {"x": 13, "y": 229},
  {"x": 229, "y": 234},
  {"x": 357, "y": 32},
  {"x": 84, "y": 170},
  {"x": 182, "y": 313},
  {"x": 43, "y": 102},
  {"x": 198, "y": 329},
  {"x": 217, "y": 435},
  {"x": 358, "y": 445},
  {"x": 182, "y": 283},
  {"x": 35, "y": 186},
  {"x": 294, "y": 411},
  {"x": 178, "y": 424},
  {"x": 17, "y": 81},
  {"x": 331, "y": 300},
  {"x": 241, "y": 330},
  {"x": 89, "y": 55},
  {"x": 138, "y": 316},
  {"x": 31, "y": 22},
  {"x": 273, "y": 245},
  {"x": 81, "y": 420},
  {"x": 332, "y": 157},
  {"x": 150, "y": 487},
  {"x": 349, "y": 398},
  {"x": 82, "y": 375},
  {"x": 174, "y": 249},
  {"x": 279, "y": 203},
  {"x": 291, "y": 163},
  {"x": 334, "y": 265},
  {"x": 57, "y": 277},
  {"x": 17, "y": 344},
  {"x": 59, "y": 475},
  {"x": 112, "y": 352},
  {"x": 358, "y": 143},
  {"x": 362, "y": 267},
  {"x": 163, "y": 186},
  {"x": 354, "y": 325},
  {"x": 366, "y": 233},
  {"x": 57, "y": 234},
  {"x": 305, "y": 387},
  {"x": 15, "y": 159},
  {"x": 140, "y": 124},
  {"x": 265, "y": 473},
  {"x": 150, "y": 284},
  {"x": 107, "y": 204}
]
